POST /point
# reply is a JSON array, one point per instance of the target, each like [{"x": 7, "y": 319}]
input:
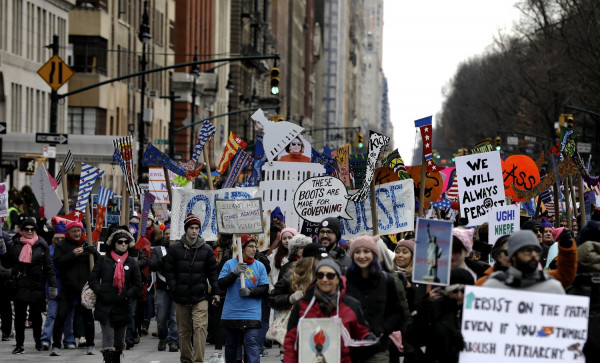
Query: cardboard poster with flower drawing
[
  {"x": 320, "y": 341},
  {"x": 298, "y": 150}
]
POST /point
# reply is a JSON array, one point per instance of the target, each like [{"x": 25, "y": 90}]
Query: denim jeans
[
  {"x": 69, "y": 337},
  {"x": 131, "y": 326},
  {"x": 251, "y": 340},
  {"x": 166, "y": 321},
  {"x": 149, "y": 306}
]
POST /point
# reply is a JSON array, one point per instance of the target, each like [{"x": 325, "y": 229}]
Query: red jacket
[{"x": 350, "y": 313}]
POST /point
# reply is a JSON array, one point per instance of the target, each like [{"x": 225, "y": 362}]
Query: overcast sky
[{"x": 423, "y": 43}]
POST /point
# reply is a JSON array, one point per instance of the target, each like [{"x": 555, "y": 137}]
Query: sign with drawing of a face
[{"x": 298, "y": 150}]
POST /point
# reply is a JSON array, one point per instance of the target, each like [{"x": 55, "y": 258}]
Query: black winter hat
[
  {"x": 461, "y": 276},
  {"x": 589, "y": 232},
  {"x": 334, "y": 224},
  {"x": 28, "y": 221}
]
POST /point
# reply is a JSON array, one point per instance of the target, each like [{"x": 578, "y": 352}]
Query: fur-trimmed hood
[{"x": 119, "y": 234}]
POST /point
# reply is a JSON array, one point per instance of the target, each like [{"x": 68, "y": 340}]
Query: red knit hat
[
  {"x": 246, "y": 238},
  {"x": 191, "y": 219}
]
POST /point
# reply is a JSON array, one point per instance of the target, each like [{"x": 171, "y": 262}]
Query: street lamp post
[
  {"x": 144, "y": 36},
  {"x": 195, "y": 73}
]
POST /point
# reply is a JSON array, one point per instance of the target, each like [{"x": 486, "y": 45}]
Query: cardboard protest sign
[
  {"x": 434, "y": 184},
  {"x": 503, "y": 220},
  {"x": 298, "y": 150},
  {"x": 377, "y": 142},
  {"x": 202, "y": 204},
  {"x": 433, "y": 252},
  {"x": 319, "y": 341},
  {"x": 512, "y": 325},
  {"x": 395, "y": 211},
  {"x": 480, "y": 185},
  {"x": 520, "y": 171},
  {"x": 239, "y": 216},
  {"x": 321, "y": 197},
  {"x": 277, "y": 134},
  {"x": 3, "y": 200},
  {"x": 342, "y": 157},
  {"x": 45, "y": 193}
]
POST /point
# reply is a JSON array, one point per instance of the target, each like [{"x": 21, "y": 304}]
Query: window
[
  {"x": 98, "y": 4},
  {"x": 89, "y": 54},
  {"x": 171, "y": 34},
  {"x": 86, "y": 121}
]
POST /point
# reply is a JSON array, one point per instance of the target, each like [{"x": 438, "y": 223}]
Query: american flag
[
  {"x": 89, "y": 174},
  {"x": 104, "y": 196},
  {"x": 68, "y": 164}
]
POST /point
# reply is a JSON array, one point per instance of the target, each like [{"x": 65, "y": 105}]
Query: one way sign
[{"x": 51, "y": 138}]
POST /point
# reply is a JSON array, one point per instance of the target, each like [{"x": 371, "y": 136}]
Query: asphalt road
[{"x": 144, "y": 352}]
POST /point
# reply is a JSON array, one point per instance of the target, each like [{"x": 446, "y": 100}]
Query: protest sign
[
  {"x": 239, "y": 216},
  {"x": 480, "y": 185},
  {"x": 277, "y": 134},
  {"x": 202, "y": 204},
  {"x": 395, "y": 211},
  {"x": 433, "y": 252},
  {"x": 319, "y": 341},
  {"x": 502, "y": 325},
  {"x": 502, "y": 220},
  {"x": 321, "y": 197},
  {"x": 44, "y": 193},
  {"x": 434, "y": 184},
  {"x": 3, "y": 200},
  {"x": 520, "y": 171}
]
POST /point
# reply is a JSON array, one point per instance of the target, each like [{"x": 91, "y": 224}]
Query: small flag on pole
[
  {"x": 207, "y": 130},
  {"x": 89, "y": 174},
  {"x": 68, "y": 164},
  {"x": 104, "y": 196}
]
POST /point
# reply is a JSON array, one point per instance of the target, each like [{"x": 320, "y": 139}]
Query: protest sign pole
[
  {"x": 556, "y": 207},
  {"x": 240, "y": 258},
  {"x": 422, "y": 187},
  {"x": 374, "y": 210},
  {"x": 169, "y": 188},
  {"x": 573, "y": 199},
  {"x": 538, "y": 207},
  {"x": 125, "y": 207},
  {"x": 65, "y": 189},
  {"x": 582, "y": 220},
  {"x": 88, "y": 223},
  {"x": 567, "y": 195},
  {"x": 208, "y": 172}
]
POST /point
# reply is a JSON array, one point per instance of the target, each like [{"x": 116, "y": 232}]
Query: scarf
[
  {"x": 327, "y": 302},
  {"x": 249, "y": 261},
  {"x": 119, "y": 276},
  {"x": 78, "y": 241},
  {"x": 27, "y": 251}
]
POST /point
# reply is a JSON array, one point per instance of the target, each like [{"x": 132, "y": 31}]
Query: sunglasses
[
  {"x": 329, "y": 275},
  {"x": 122, "y": 242},
  {"x": 29, "y": 229},
  {"x": 296, "y": 144}
]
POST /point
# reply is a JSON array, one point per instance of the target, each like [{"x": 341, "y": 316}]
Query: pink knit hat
[
  {"x": 465, "y": 235},
  {"x": 369, "y": 242},
  {"x": 288, "y": 229},
  {"x": 75, "y": 223},
  {"x": 408, "y": 243}
]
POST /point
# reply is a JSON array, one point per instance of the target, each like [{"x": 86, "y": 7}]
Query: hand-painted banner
[
  {"x": 124, "y": 146},
  {"x": 377, "y": 142},
  {"x": 148, "y": 200},
  {"x": 100, "y": 215},
  {"x": 233, "y": 144},
  {"x": 521, "y": 171},
  {"x": 341, "y": 156},
  {"x": 240, "y": 161},
  {"x": 358, "y": 164},
  {"x": 513, "y": 325},
  {"x": 480, "y": 184},
  {"x": 277, "y": 134},
  {"x": 395, "y": 211},
  {"x": 207, "y": 130},
  {"x": 236, "y": 216},
  {"x": 324, "y": 159},
  {"x": 426, "y": 127},
  {"x": 566, "y": 168},
  {"x": 154, "y": 157},
  {"x": 321, "y": 197},
  {"x": 394, "y": 161},
  {"x": 503, "y": 220}
]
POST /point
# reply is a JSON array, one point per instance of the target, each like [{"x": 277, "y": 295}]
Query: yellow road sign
[{"x": 55, "y": 72}]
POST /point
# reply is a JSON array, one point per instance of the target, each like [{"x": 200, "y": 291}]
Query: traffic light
[
  {"x": 564, "y": 120},
  {"x": 498, "y": 142},
  {"x": 360, "y": 139},
  {"x": 275, "y": 81}
]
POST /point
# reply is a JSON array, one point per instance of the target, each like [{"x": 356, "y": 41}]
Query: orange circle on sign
[
  {"x": 384, "y": 175},
  {"x": 433, "y": 184},
  {"x": 522, "y": 171}
]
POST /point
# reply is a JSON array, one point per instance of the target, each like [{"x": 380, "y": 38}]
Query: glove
[
  {"x": 244, "y": 291},
  {"x": 89, "y": 249},
  {"x": 296, "y": 296},
  {"x": 566, "y": 238},
  {"x": 240, "y": 268},
  {"x": 216, "y": 300},
  {"x": 52, "y": 292}
]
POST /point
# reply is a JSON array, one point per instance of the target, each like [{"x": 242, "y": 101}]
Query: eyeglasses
[
  {"x": 122, "y": 242},
  {"x": 29, "y": 229},
  {"x": 529, "y": 250},
  {"x": 329, "y": 275},
  {"x": 326, "y": 231}
]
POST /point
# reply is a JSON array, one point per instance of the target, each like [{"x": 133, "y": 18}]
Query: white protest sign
[
  {"x": 480, "y": 185},
  {"x": 3, "y": 200},
  {"x": 157, "y": 185},
  {"x": 44, "y": 193},
  {"x": 512, "y": 325},
  {"x": 395, "y": 203},
  {"x": 239, "y": 216},
  {"x": 503, "y": 220},
  {"x": 202, "y": 204},
  {"x": 321, "y": 197}
]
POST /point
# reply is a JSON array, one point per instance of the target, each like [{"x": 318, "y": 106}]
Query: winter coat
[
  {"x": 380, "y": 304},
  {"x": 279, "y": 297},
  {"x": 187, "y": 268},
  {"x": 109, "y": 304},
  {"x": 538, "y": 281},
  {"x": 29, "y": 279},
  {"x": 349, "y": 311},
  {"x": 74, "y": 270},
  {"x": 157, "y": 266}
]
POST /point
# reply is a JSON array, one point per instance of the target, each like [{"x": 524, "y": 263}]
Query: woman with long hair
[
  {"x": 280, "y": 254},
  {"x": 116, "y": 280},
  {"x": 378, "y": 296}
]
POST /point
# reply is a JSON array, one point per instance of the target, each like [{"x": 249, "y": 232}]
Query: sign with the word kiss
[
  {"x": 480, "y": 185},
  {"x": 503, "y": 220}
]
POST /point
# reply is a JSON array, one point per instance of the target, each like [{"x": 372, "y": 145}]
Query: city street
[{"x": 144, "y": 352}]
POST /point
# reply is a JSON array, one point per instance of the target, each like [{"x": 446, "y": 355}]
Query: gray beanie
[
  {"x": 331, "y": 263},
  {"x": 298, "y": 241},
  {"x": 520, "y": 239}
]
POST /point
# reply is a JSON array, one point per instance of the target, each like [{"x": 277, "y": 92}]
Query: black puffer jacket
[
  {"x": 109, "y": 304},
  {"x": 74, "y": 270},
  {"x": 187, "y": 267},
  {"x": 30, "y": 278}
]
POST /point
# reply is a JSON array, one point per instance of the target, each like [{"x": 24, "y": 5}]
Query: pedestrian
[
  {"x": 17, "y": 208},
  {"x": 524, "y": 272},
  {"x": 329, "y": 233},
  {"x": 242, "y": 310},
  {"x": 116, "y": 281},
  {"x": 72, "y": 260},
  {"x": 189, "y": 263},
  {"x": 31, "y": 266},
  {"x": 377, "y": 294},
  {"x": 280, "y": 254}
]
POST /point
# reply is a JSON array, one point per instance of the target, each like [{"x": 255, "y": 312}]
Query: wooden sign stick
[
  {"x": 240, "y": 259},
  {"x": 88, "y": 223}
]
